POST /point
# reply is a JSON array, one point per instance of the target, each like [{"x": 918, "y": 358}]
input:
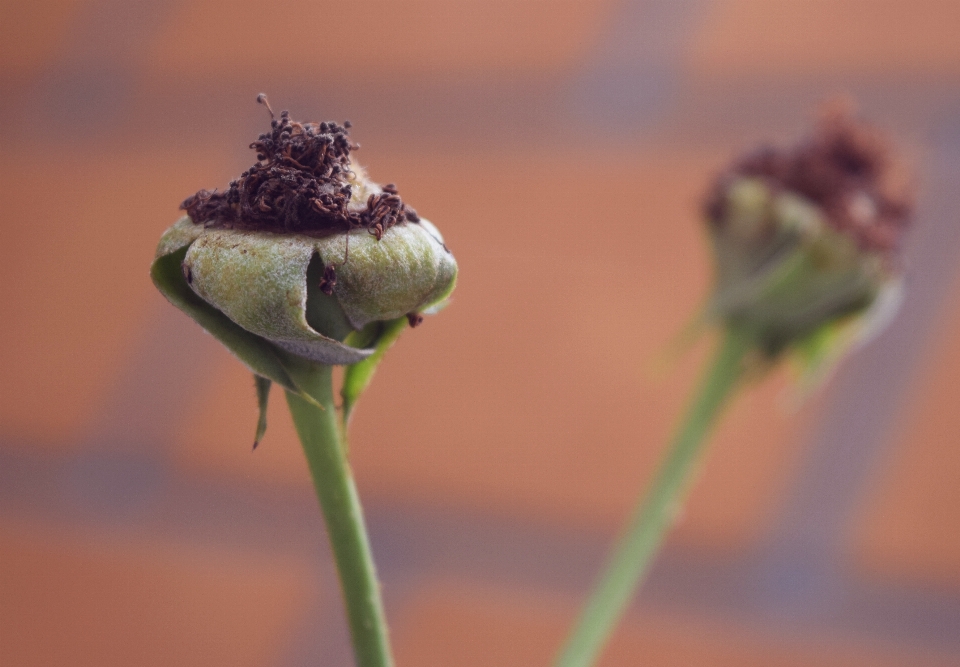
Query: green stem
[
  {"x": 658, "y": 506},
  {"x": 320, "y": 435}
]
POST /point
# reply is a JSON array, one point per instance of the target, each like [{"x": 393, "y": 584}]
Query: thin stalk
[
  {"x": 657, "y": 508},
  {"x": 320, "y": 435}
]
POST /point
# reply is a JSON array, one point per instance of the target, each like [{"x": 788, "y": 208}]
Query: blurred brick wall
[{"x": 563, "y": 147}]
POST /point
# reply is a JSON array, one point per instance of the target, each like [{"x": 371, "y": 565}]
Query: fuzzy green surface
[
  {"x": 259, "y": 280},
  {"x": 182, "y": 233},
  {"x": 406, "y": 271},
  {"x": 256, "y": 353}
]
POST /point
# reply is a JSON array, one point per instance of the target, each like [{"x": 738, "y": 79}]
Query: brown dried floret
[
  {"x": 301, "y": 183},
  {"x": 844, "y": 168}
]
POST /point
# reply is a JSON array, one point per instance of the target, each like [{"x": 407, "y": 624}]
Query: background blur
[{"x": 563, "y": 147}]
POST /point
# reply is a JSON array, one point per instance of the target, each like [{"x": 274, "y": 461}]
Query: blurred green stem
[
  {"x": 319, "y": 433},
  {"x": 644, "y": 533}
]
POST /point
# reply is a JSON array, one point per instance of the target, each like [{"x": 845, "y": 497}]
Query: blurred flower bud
[
  {"x": 302, "y": 250},
  {"x": 806, "y": 238}
]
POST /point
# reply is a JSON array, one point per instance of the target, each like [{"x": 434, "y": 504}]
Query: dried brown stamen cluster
[
  {"x": 844, "y": 168},
  {"x": 302, "y": 183}
]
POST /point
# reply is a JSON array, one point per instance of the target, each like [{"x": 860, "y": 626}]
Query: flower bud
[
  {"x": 299, "y": 252},
  {"x": 806, "y": 238}
]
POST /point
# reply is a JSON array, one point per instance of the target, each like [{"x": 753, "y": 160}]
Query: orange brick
[
  {"x": 216, "y": 437},
  {"x": 452, "y": 623},
  {"x": 32, "y": 35},
  {"x": 327, "y": 42},
  {"x": 78, "y": 238},
  {"x": 909, "y": 528},
  {"x": 744, "y": 38},
  {"x": 531, "y": 395},
  {"x": 70, "y": 599}
]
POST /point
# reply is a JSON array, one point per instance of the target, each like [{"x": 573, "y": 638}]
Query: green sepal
[
  {"x": 357, "y": 376},
  {"x": 259, "y": 281},
  {"x": 179, "y": 235},
  {"x": 818, "y": 355},
  {"x": 262, "y": 385},
  {"x": 256, "y": 353},
  {"x": 407, "y": 270}
]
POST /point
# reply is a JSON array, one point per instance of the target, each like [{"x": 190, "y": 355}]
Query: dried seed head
[
  {"x": 304, "y": 181},
  {"x": 806, "y": 236}
]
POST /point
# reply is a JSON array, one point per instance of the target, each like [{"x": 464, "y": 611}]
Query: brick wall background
[{"x": 562, "y": 146}]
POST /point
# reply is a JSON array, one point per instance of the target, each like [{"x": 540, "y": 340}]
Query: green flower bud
[
  {"x": 271, "y": 284},
  {"x": 302, "y": 255},
  {"x": 806, "y": 239}
]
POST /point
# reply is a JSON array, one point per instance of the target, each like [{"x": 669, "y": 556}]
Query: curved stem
[
  {"x": 320, "y": 435},
  {"x": 638, "y": 545}
]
